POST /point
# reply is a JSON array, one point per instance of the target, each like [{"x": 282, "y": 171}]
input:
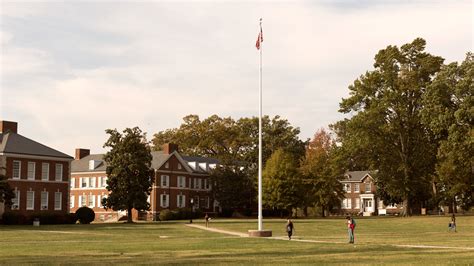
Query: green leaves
[{"x": 129, "y": 171}]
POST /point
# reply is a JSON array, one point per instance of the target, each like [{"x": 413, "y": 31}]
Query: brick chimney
[
  {"x": 81, "y": 153},
  {"x": 8, "y": 126},
  {"x": 169, "y": 148}
]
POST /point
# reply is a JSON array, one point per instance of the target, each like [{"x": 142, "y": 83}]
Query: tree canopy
[
  {"x": 130, "y": 176},
  {"x": 6, "y": 192},
  {"x": 386, "y": 125}
]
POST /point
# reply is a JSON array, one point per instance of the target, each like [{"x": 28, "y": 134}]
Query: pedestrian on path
[
  {"x": 207, "y": 218},
  {"x": 289, "y": 228},
  {"x": 350, "y": 228},
  {"x": 452, "y": 224}
]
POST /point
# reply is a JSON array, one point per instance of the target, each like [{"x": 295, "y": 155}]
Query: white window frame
[
  {"x": 181, "y": 201},
  {"x": 181, "y": 181},
  {"x": 164, "y": 200},
  {"x": 72, "y": 183},
  {"x": 167, "y": 165},
  {"x": 206, "y": 184},
  {"x": 31, "y": 167},
  {"x": 16, "y": 200},
  {"x": 19, "y": 170},
  {"x": 99, "y": 201},
  {"x": 58, "y": 204},
  {"x": 91, "y": 201},
  {"x": 179, "y": 166},
  {"x": 104, "y": 181},
  {"x": 44, "y": 204},
  {"x": 164, "y": 181},
  {"x": 356, "y": 188},
  {"x": 84, "y": 182},
  {"x": 71, "y": 202},
  {"x": 346, "y": 203},
  {"x": 30, "y": 200},
  {"x": 92, "y": 182},
  {"x": 368, "y": 185},
  {"x": 45, "y": 171},
  {"x": 207, "y": 202},
  {"x": 196, "y": 202},
  {"x": 58, "y": 175}
]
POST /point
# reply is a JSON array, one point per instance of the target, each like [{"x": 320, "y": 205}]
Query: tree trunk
[
  {"x": 322, "y": 211},
  {"x": 129, "y": 215},
  {"x": 406, "y": 207},
  {"x": 305, "y": 211}
]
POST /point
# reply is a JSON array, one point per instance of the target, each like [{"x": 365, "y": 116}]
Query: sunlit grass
[{"x": 175, "y": 243}]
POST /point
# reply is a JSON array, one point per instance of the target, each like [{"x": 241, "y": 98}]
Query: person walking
[
  {"x": 289, "y": 228},
  {"x": 350, "y": 228},
  {"x": 452, "y": 224},
  {"x": 207, "y": 218}
]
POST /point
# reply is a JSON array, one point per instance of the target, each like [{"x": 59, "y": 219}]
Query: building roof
[
  {"x": 158, "y": 159},
  {"x": 14, "y": 143},
  {"x": 357, "y": 176}
]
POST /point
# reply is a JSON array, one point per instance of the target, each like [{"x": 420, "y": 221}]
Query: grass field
[{"x": 378, "y": 241}]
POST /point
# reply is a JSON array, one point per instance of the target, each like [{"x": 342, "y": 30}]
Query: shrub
[
  {"x": 166, "y": 215},
  {"x": 44, "y": 217},
  {"x": 14, "y": 218},
  {"x": 85, "y": 215}
]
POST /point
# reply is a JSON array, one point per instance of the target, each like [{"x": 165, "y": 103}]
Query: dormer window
[
  {"x": 167, "y": 165},
  {"x": 179, "y": 166},
  {"x": 93, "y": 164}
]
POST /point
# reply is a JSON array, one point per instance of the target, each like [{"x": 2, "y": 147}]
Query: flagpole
[{"x": 260, "y": 223}]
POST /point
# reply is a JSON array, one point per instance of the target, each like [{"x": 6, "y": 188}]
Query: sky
[{"x": 70, "y": 70}]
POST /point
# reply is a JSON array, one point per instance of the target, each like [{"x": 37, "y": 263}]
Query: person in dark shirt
[{"x": 289, "y": 228}]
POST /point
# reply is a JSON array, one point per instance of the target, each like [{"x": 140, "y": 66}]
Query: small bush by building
[
  {"x": 85, "y": 215},
  {"x": 15, "y": 218}
]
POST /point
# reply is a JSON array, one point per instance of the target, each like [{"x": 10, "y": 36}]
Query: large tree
[
  {"x": 130, "y": 176},
  {"x": 282, "y": 183},
  {"x": 449, "y": 113},
  {"x": 322, "y": 172},
  {"x": 6, "y": 192},
  {"x": 232, "y": 187},
  {"x": 386, "y": 104},
  {"x": 230, "y": 140}
]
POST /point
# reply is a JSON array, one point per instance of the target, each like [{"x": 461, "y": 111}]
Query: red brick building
[
  {"x": 359, "y": 188},
  {"x": 38, "y": 174},
  {"x": 178, "y": 178}
]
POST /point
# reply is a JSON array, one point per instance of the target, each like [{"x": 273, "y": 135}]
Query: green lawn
[{"x": 175, "y": 243}]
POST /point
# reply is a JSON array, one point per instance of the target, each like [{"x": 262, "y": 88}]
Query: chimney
[
  {"x": 81, "y": 153},
  {"x": 8, "y": 126},
  {"x": 169, "y": 148}
]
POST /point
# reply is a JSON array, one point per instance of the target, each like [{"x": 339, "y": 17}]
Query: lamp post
[{"x": 192, "y": 210}]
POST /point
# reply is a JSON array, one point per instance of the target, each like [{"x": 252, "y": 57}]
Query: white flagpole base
[{"x": 260, "y": 233}]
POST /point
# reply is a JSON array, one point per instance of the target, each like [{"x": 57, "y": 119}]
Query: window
[
  {"x": 44, "y": 200},
  {"x": 164, "y": 200},
  {"x": 59, "y": 172},
  {"x": 16, "y": 170},
  {"x": 72, "y": 182},
  {"x": 104, "y": 181},
  {"x": 196, "y": 202},
  {"x": 99, "y": 201},
  {"x": 181, "y": 201},
  {"x": 356, "y": 188},
  {"x": 197, "y": 183},
  {"x": 82, "y": 200},
  {"x": 31, "y": 170},
  {"x": 58, "y": 200},
  {"x": 167, "y": 165},
  {"x": 181, "y": 181},
  {"x": 207, "y": 202},
  {"x": 347, "y": 188},
  {"x": 16, "y": 200},
  {"x": 91, "y": 202},
  {"x": 346, "y": 203},
  {"x": 30, "y": 200},
  {"x": 357, "y": 203},
  {"x": 179, "y": 166},
  {"x": 367, "y": 187},
  {"x": 71, "y": 202},
  {"x": 92, "y": 182},
  {"x": 45, "y": 171},
  {"x": 84, "y": 181},
  {"x": 165, "y": 180},
  {"x": 206, "y": 184}
]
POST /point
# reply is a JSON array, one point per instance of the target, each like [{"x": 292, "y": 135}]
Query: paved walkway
[{"x": 320, "y": 241}]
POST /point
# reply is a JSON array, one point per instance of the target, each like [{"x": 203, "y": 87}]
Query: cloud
[{"x": 71, "y": 70}]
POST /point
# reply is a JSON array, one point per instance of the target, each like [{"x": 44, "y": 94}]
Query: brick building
[
  {"x": 38, "y": 174},
  {"x": 178, "y": 178},
  {"x": 360, "y": 198}
]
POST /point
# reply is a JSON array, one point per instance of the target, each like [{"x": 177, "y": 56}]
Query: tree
[
  {"x": 322, "y": 172},
  {"x": 281, "y": 181},
  {"x": 232, "y": 188},
  {"x": 6, "y": 192},
  {"x": 386, "y": 105},
  {"x": 448, "y": 112},
  {"x": 129, "y": 171}
]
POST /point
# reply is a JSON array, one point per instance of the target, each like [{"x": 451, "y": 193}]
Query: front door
[{"x": 368, "y": 205}]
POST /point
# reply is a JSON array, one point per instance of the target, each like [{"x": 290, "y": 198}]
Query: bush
[
  {"x": 14, "y": 218},
  {"x": 180, "y": 214},
  {"x": 85, "y": 215},
  {"x": 44, "y": 217},
  {"x": 166, "y": 215}
]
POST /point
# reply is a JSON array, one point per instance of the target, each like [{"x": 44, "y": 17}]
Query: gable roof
[
  {"x": 14, "y": 143},
  {"x": 82, "y": 165},
  {"x": 357, "y": 176}
]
